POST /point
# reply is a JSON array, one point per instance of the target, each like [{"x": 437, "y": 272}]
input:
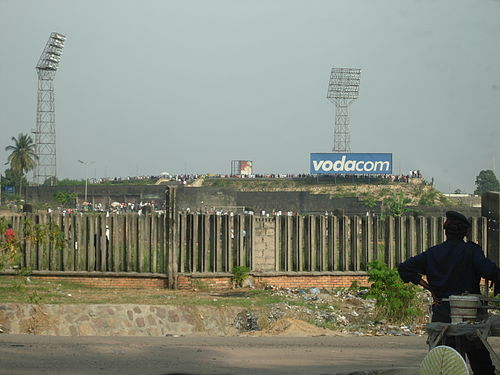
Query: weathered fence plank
[
  {"x": 344, "y": 236},
  {"x": 355, "y": 240},
  {"x": 324, "y": 243},
  {"x": 205, "y": 256},
  {"x": 389, "y": 242}
]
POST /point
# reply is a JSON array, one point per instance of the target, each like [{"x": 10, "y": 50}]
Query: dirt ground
[
  {"x": 294, "y": 328},
  {"x": 36, "y": 355}
]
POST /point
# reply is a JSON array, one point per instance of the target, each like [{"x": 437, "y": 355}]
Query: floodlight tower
[
  {"x": 343, "y": 89},
  {"x": 45, "y": 131}
]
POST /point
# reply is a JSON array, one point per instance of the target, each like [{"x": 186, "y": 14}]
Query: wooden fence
[
  {"x": 114, "y": 243},
  {"x": 329, "y": 243},
  {"x": 217, "y": 243}
]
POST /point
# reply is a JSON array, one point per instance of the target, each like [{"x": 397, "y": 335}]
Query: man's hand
[{"x": 435, "y": 299}]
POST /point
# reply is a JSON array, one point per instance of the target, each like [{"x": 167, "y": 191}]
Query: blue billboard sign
[
  {"x": 351, "y": 163},
  {"x": 9, "y": 189}
]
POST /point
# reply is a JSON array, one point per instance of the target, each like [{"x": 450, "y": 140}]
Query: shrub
[
  {"x": 396, "y": 205},
  {"x": 396, "y": 301},
  {"x": 240, "y": 274},
  {"x": 9, "y": 250}
]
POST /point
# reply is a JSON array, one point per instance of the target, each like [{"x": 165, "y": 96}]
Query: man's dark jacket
[{"x": 452, "y": 268}]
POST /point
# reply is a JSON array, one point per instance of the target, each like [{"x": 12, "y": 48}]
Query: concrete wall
[
  {"x": 441, "y": 211},
  {"x": 208, "y": 198},
  {"x": 100, "y": 193},
  {"x": 264, "y": 246}
]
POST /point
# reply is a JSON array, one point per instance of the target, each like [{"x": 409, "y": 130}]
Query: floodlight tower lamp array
[
  {"x": 343, "y": 89},
  {"x": 45, "y": 136}
]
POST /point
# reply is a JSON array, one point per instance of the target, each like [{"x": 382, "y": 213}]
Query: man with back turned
[{"x": 453, "y": 267}]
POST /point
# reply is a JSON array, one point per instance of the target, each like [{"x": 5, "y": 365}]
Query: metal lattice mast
[
  {"x": 45, "y": 131},
  {"x": 343, "y": 89}
]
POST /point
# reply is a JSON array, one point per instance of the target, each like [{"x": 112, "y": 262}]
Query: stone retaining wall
[{"x": 117, "y": 320}]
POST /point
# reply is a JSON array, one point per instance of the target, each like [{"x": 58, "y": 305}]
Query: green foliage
[
  {"x": 396, "y": 205},
  {"x": 21, "y": 286},
  {"x": 51, "y": 181},
  {"x": 69, "y": 182},
  {"x": 428, "y": 198},
  {"x": 348, "y": 192},
  {"x": 34, "y": 297},
  {"x": 240, "y": 274},
  {"x": 10, "y": 252},
  {"x": 486, "y": 181},
  {"x": 221, "y": 183},
  {"x": 445, "y": 201},
  {"x": 396, "y": 301},
  {"x": 22, "y": 156},
  {"x": 44, "y": 233},
  {"x": 355, "y": 286},
  {"x": 64, "y": 198},
  {"x": 370, "y": 201},
  {"x": 12, "y": 178},
  {"x": 200, "y": 285}
]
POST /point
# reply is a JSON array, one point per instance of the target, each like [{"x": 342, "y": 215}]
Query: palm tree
[{"x": 22, "y": 158}]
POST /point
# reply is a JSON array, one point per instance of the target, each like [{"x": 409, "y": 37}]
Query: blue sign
[
  {"x": 9, "y": 189},
  {"x": 340, "y": 163}
]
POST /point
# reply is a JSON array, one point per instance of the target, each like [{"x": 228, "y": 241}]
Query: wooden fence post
[
  {"x": 205, "y": 242},
  {"x": 366, "y": 244},
  {"x": 333, "y": 243},
  {"x": 196, "y": 244},
  {"x": 343, "y": 245},
  {"x": 309, "y": 243},
  {"x": 172, "y": 237},
  {"x": 399, "y": 226},
  {"x": 411, "y": 238},
  {"x": 104, "y": 243},
  {"x": 323, "y": 248},
  {"x": 389, "y": 241},
  {"x": 355, "y": 244},
  {"x": 182, "y": 233}
]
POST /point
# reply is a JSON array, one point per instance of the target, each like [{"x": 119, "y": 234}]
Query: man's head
[{"x": 456, "y": 225}]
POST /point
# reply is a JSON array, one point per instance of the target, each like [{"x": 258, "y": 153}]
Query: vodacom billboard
[{"x": 350, "y": 163}]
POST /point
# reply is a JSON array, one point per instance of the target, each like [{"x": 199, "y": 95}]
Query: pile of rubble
[{"x": 344, "y": 311}]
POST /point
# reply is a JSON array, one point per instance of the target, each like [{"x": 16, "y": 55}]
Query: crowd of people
[
  {"x": 189, "y": 177},
  {"x": 112, "y": 208}
]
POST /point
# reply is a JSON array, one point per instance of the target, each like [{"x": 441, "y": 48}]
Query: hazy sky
[{"x": 146, "y": 87}]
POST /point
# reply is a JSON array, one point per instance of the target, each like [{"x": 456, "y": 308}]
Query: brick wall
[
  {"x": 324, "y": 281},
  {"x": 278, "y": 280},
  {"x": 106, "y": 282},
  {"x": 219, "y": 282}
]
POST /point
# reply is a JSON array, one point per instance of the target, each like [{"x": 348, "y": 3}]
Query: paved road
[{"x": 36, "y": 355}]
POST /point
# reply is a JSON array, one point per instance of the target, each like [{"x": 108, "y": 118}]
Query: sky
[{"x": 146, "y": 87}]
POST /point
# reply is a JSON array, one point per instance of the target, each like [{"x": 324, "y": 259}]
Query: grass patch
[{"x": 27, "y": 290}]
